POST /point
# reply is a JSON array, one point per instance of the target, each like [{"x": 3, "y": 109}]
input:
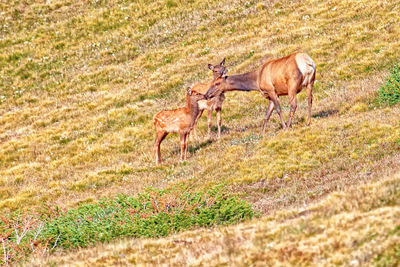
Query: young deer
[
  {"x": 212, "y": 104},
  {"x": 282, "y": 76},
  {"x": 179, "y": 121}
]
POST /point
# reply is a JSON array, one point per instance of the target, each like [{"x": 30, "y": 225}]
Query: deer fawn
[
  {"x": 282, "y": 76},
  {"x": 212, "y": 104},
  {"x": 179, "y": 121}
]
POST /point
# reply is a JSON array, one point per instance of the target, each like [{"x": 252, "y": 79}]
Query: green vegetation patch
[
  {"x": 389, "y": 93},
  {"x": 154, "y": 213},
  {"x": 391, "y": 255}
]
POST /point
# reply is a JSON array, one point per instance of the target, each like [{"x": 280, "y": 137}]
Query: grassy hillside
[
  {"x": 359, "y": 226},
  {"x": 81, "y": 80}
]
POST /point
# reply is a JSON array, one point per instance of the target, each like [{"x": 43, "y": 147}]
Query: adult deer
[
  {"x": 283, "y": 76},
  {"x": 212, "y": 104},
  {"x": 179, "y": 121}
]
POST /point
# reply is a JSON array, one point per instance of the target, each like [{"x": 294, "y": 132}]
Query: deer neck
[
  {"x": 242, "y": 82},
  {"x": 192, "y": 107}
]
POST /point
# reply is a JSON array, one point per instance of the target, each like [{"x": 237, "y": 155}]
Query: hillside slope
[
  {"x": 80, "y": 81},
  {"x": 359, "y": 226}
]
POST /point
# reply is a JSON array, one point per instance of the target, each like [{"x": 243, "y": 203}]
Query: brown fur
[
  {"x": 179, "y": 121},
  {"x": 283, "y": 76},
  {"x": 211, "y": 104}
]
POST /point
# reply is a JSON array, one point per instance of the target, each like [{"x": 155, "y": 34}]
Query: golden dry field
[{"x": 80, "y": 81}]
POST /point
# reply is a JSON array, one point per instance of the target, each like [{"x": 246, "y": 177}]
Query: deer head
[
  {"x": 193, "y": 95},
  {"x": 217, "y": 69},
  {"x": 217, "y": 86}
]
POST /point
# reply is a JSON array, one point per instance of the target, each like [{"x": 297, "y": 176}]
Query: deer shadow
[
  {"x": 325, "y": 113},
  {"x": 193, "y": 148},
  {"x": 224, "y": 129}
]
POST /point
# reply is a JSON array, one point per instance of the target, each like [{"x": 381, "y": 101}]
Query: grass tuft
[{"x": 389, "y": 93}]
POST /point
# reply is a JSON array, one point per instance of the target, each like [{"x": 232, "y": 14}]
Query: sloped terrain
[
  {"x": 357, "y": 226},
  {"x": 81, "y": 80}
]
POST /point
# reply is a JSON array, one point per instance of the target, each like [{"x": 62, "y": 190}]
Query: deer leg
[
  {"x": 268, "y": 113},
  {"x": 274, "y": 99},
  {"x": 182, "y": 139},
  {"x": 186, "y": 144},
  {"x": 310, "y": 98},
  {"x": 209, "y": 114},
  {"x": 219, "y": 122},
  {"x": 194, "y": 132},
  {"x": 293, "y": 107},
  {"x": 159, "y": 138}
]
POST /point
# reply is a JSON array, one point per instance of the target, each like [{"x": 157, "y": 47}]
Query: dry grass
[
  {"x": 80, "y": 84},
  {"x": 354, "y": 227},
  {"x": 81, "y": 80}
]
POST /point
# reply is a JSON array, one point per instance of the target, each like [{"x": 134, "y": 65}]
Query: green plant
[
  {"x": 154, "y": 213},
  {"x": 390, "y": 92}
]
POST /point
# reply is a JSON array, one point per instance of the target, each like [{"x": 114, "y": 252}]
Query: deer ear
[
  {"x": 189, "y": 90},
  {"x": 222, "y": 62},
  {"x": 211, "y": 67}
]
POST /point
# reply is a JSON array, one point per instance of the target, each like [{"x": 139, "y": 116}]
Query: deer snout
[{"x": 210, "y": 93}]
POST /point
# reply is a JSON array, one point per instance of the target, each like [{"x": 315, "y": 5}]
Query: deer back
[
  {"x": 171, "y": 120},
  {"x": 292, "y": 72}
]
